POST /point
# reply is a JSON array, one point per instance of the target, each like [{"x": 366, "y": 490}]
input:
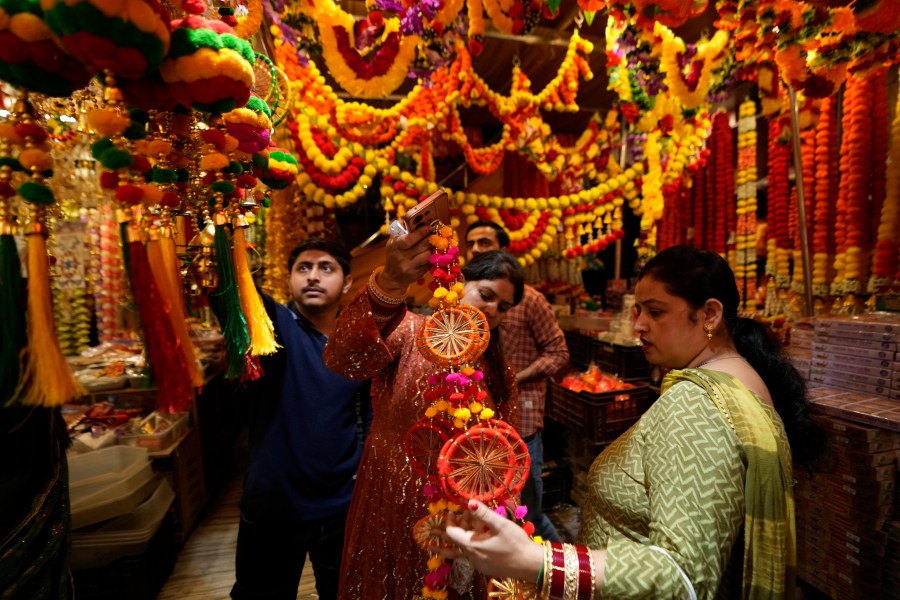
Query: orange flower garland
[
  {"x": 852, "y": 232},
  {"x": 778, "y": 243},
  {"x": 885, "y": 263},
  {"x": 826, "y": 191}
]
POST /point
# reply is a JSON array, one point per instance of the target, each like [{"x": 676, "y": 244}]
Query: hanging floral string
[
  {"x": 826, "y": 191},
  {"x": 778, "y": 240},
  {"x": 853, "y": 229},
  {"x": 886, "y": 260}
]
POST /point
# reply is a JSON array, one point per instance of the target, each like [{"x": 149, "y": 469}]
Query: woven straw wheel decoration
[{"x": 454, "y": 337}]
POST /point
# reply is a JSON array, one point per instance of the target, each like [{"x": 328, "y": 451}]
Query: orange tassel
[
  {"x": 262, "y": 332},
  {"x": 46, "y": 378},
  {"x": 168, "y": 284}
]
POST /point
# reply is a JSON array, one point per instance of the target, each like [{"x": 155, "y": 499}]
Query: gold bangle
[
  {"x": 570, "y": 591},
  {"x": 548, "y": 572},
  {"x": 379, "y": 294}
]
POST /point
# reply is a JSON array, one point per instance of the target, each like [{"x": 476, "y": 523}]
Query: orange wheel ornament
[
  {"x": 511, "y": 589},
  {"x": 484, "y": 463},
  {"x": 454, "y": 336},
  {"x": 425, "y": 531},
  {"x": 423, "y": 443}
]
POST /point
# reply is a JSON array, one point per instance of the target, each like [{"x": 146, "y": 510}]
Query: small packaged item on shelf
[{"x": 155, "y": 431}]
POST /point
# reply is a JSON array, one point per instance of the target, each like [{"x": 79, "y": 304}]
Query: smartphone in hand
[{"x": 435, "y": 207}]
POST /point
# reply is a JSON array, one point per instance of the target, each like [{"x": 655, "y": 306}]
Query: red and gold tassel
[
  {"x": 168, "y": 283},
  {"x": 163, "y": 347}
]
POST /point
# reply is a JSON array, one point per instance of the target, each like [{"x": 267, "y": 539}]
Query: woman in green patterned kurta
[{"x": 694, "y": 500}]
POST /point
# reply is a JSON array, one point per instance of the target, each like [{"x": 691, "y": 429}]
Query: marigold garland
[
  {"x": 885, "y": 263},
  {"x": 852, "y": 231},
  {"x": 826, "y": 191},
  {"x": 690, "y": 89}
]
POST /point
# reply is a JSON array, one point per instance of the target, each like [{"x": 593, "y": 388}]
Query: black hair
[
  {"x": 493, "y": 265},
  {"x": 497, "y": 264},
  {"x": 695, "y": 276},
  {"x": 502, "y": 236},
  {"x": 335, "y": 248}
]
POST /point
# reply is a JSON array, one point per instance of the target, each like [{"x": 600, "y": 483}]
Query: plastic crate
[
  {"x": 601, "y": 418},
  {"x": 579, "y": 346},
  {"x": 626, "y": 362}
]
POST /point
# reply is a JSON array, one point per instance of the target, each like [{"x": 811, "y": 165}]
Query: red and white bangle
[{"x": 568, "y": 572}]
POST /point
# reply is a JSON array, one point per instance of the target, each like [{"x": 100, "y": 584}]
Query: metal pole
[
  {"x": 801, "y": 202},
  {"x": 623, "y": 150}
]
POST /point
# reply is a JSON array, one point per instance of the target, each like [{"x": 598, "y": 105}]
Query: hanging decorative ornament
[
  {"x": 129, "y": 39},
  {"x": 12, "y": 287},
  {"x": 30, "y": 58},
  {"x": 45, "y": 378},
  {"x": 209, "y": 68},
  {"x": 460, "y": 446}
]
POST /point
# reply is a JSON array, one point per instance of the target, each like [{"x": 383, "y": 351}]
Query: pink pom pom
[
  {"x": 500, "y": 511},
  {"x": 521, "y": 511}
]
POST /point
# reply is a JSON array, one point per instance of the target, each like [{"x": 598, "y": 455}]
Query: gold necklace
[{"x": 715, "y": 358}]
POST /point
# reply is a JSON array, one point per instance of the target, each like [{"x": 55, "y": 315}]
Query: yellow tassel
[
  {"x": 168, "y": 284},
  {"x": 262, "y": 332},
  {"x": 46, "y": 378}
]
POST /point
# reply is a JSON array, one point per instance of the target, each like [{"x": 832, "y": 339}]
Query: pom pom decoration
[
  {"x": 281, "y": 169},
  {"x": 251, "y": 125},
  {"x": 30, "y": 59},
  {"x": 458, "y": 442},
  {"x": 127, "y": 38},
  {"x": 208, "y": 67}
]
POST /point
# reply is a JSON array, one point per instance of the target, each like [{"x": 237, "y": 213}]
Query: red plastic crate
[{"x": 600, "y": 417}]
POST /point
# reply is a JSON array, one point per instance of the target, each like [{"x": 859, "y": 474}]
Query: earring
[{"x": 709, "y": 331}]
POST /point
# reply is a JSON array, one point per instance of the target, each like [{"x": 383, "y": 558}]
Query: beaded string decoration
[{"x": 460, "y": 445}]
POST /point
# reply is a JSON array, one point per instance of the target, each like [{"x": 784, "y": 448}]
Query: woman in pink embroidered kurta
[{"x": 373, "y": 340}]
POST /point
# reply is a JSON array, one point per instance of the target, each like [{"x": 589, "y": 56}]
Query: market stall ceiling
[{"x": 539, "y": 55}]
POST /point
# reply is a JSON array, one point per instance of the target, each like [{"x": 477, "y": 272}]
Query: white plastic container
[
  {"x": 127, "y": 535},
  {"x": 107, "y": 483}
]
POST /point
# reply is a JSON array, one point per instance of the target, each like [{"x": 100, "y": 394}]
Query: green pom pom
[
  {"x": 160, "y": 175},
  {"x": 266, "y": 202},
  {"x": 114, "y": 159},
  {"x": 138, "y": 115},
  {"x": 183, "y": 175},
  {"x": 226, "y": 11},
  {"x": 235, "y": 168},
  {"x": 101, "y": 146},
  {"x": 36, "y": 193},
  {"x": 223, "y": 187},
  {"x": 258, "y": 105},
  {"x": 12, "y": 163},
  {"x": 135, "y": 131},
  {"x": 260, "y": 161}
]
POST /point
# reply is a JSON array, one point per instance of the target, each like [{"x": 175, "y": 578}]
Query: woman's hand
[
  {"x": 406, "y": 261},
  {"x": 493, "y": 544}
]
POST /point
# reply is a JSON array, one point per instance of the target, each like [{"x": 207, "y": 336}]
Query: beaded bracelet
[{"x": 380, "y": 295}]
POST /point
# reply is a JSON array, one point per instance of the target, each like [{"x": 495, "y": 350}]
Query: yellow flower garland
[
  {"x": 329, "y": 16},
  {"x": 710, "y": 52}
]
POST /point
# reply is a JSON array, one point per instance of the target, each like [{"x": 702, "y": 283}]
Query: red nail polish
[{"x": 473, "y": 505}]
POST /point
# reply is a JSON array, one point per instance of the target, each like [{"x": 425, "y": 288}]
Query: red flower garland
[{"x": 826, "y": 183}]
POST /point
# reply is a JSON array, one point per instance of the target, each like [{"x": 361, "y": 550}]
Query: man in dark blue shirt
[{"x": 305, "y": 439}]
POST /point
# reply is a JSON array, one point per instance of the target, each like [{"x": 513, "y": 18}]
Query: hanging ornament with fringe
[
  {"x": 259, "y": 325},
  {"x": 46, "y": 379},
  {"x": 12, "y": 290},
  {"x": 162, "y": 345}
]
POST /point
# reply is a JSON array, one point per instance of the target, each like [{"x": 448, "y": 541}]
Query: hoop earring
[{"x": 709, "y": 331}]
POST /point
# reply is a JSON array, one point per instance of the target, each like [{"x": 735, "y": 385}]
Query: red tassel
[{"x": 164, "y": 351}]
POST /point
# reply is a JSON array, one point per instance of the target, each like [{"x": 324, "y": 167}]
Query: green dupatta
[{"x": 770, "y": 552}]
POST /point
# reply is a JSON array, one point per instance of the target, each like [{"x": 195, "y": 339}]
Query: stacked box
[
  {"x": 891, "y": 570},
  {"x": 843, "y": 515},
  {"x": 857, "y": 353},
  {"x": 859, "y": 407}
]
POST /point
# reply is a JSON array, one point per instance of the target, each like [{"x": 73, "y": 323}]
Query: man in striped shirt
[{"x": 535, "y": 346}]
